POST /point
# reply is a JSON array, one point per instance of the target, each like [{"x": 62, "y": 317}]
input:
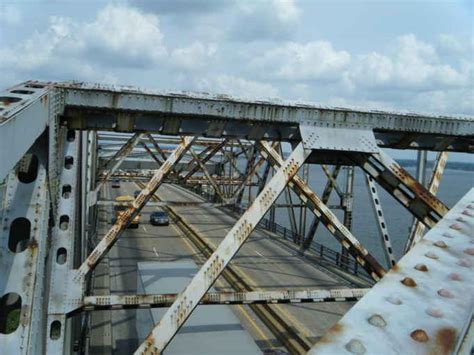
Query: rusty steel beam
[
  {"x": 117, "y": 160},
  {"x": 131, "y": 142},
  {"x": 158, "y": 149},
  {"x": 190, "y": 297},
  {"x": 112, "y": 302},
  {"x": 208, "y": 176},
  {"x": 329, "y": 219},
  {"x": 210, "y": 153},
  {"x": 400, "y": 184},
  {"x": 424, "y": 305},
  {"x": 381, "y": 223},
  {"x": 127, "y": 216},
  {"x": 153, "y": 156},
  {"x": 324, "y": 199},
  {"x": 418, "y": 229}
]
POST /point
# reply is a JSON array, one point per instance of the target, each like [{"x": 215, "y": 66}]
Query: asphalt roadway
[{"x": 267, "y": 262}]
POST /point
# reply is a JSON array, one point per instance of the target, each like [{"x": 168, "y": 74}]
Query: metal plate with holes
[
  {"x": 424, "y": 304},
  {"x": 345, "y": 139}
]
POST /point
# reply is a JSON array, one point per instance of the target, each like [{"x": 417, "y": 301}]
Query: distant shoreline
[{"x": 455, "y": 165}]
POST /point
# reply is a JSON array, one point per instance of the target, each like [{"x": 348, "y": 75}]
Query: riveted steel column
[
  {"x": 23, "y": 249},
  {"x": 438, "y": 169},
  {"x": 381, "y": 224},
  {"x": 63, "y": 294}
]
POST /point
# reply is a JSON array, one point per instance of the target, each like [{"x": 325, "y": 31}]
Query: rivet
[
  {"x": 394, "y": 300},
  {"x": 445, "y": 293},
  {"x": 421, "y": 267},
  {"x": 431, "y": 255},
  {"x": 409, "y": 282},
  {"x": 434, "y": 312},
  {"x": 469, "y": 251},
  {"x": 447, "y": 235},
  {"x": 440, "y": 244},
  {"x": 356, "y": 347},
  {"x": 455, "y": 226},
  {"x": 471, "y": 207},
  {"x": 419, "y": 335},
  {"x": 377, "y": 321},
  {"x": 455, "y": 276},
  {"x": 464, "y": 263},
  {"x": 467, "y": 213}
]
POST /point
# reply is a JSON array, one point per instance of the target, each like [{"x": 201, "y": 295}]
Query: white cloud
[
  {"x": 125, "y": 33},
  {"x": 196, "y": 56},
  {"x": 286, "y": 10},
  {"x": 413, "y": 64},
  {"x": 232, "y": 85},
  {"x": 304, "y": 61},
  {"x": 265, "y": 20}
]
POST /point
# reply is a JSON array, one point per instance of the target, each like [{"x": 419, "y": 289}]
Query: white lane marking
[
  {"x": 144, "y": 229},
  {"x": 259, "y": 254},
  {"x": 156, "y": 253}
]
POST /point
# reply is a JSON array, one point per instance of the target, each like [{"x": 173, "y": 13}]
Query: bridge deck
[{"x": 266, "y": 261}]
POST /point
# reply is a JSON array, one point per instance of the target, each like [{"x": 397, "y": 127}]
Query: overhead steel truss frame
[{"x": 319, "y": 135}]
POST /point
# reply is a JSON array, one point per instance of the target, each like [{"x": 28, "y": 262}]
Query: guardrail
[{"x": 329, "y": 255}]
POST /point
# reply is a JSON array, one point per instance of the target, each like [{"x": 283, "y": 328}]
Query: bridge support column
[{"x": 23, "y": 250}]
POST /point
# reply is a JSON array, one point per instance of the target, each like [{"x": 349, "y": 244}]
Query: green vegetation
[{"x": 13, "y": 320}]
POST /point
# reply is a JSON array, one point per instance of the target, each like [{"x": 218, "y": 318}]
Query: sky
[{"x": 402, "y": 55}]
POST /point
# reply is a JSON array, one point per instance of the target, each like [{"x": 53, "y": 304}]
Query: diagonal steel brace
[
  {"x": 190, "y": 297},
  {"x": 127, "y": 216},
  {"x": 329, "y": 219}
]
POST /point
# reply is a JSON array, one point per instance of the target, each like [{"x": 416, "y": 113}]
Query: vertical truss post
[
  {"x": 127, "y": 216},
  {"x": 337, "y": 229},
  {"x": 400, "y": 184},
  {"x": 208, "y": 176},
  {"x": 381, "y": 224},
  {"x": 433, "y": 186},
  {"x": 23, "y": 250},
  {"x": 250, "y": 169},
  {"x": 188, "y": 299},
  {"x": 347, "y": 203},
  {"x": 62, "y": 248},
  {"x": 330, "y": 185},
  {"x": 289, "y": 202}
]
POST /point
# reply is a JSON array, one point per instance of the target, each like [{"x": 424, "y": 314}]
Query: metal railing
[{"x": 329, "y": 255}]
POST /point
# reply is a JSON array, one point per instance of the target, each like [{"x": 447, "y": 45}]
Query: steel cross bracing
[{"x": 234, "y": 129}]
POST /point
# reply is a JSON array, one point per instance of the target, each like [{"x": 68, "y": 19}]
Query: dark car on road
[
  {"x": 136, "y": 193},
  {"x": 116, "y": 184},
  {"x": 159, "y": 218}
]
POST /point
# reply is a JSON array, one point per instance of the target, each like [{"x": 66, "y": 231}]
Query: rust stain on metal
[
  {"x": 445, "y": 341},
  {"x": 421, "y": 267},
  {"x": 419, "y": 335},
  {"x": 335, "y": 330},
  {"x": 409, "y": 282}
]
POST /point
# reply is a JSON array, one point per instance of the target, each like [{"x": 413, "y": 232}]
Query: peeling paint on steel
[{"x": 430, "y": 310}]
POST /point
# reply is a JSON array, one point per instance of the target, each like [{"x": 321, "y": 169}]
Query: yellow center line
[{"x": 242, "y": 309}]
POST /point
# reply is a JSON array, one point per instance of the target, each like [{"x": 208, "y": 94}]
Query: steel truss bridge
[{"x": 59, "y": 146}]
